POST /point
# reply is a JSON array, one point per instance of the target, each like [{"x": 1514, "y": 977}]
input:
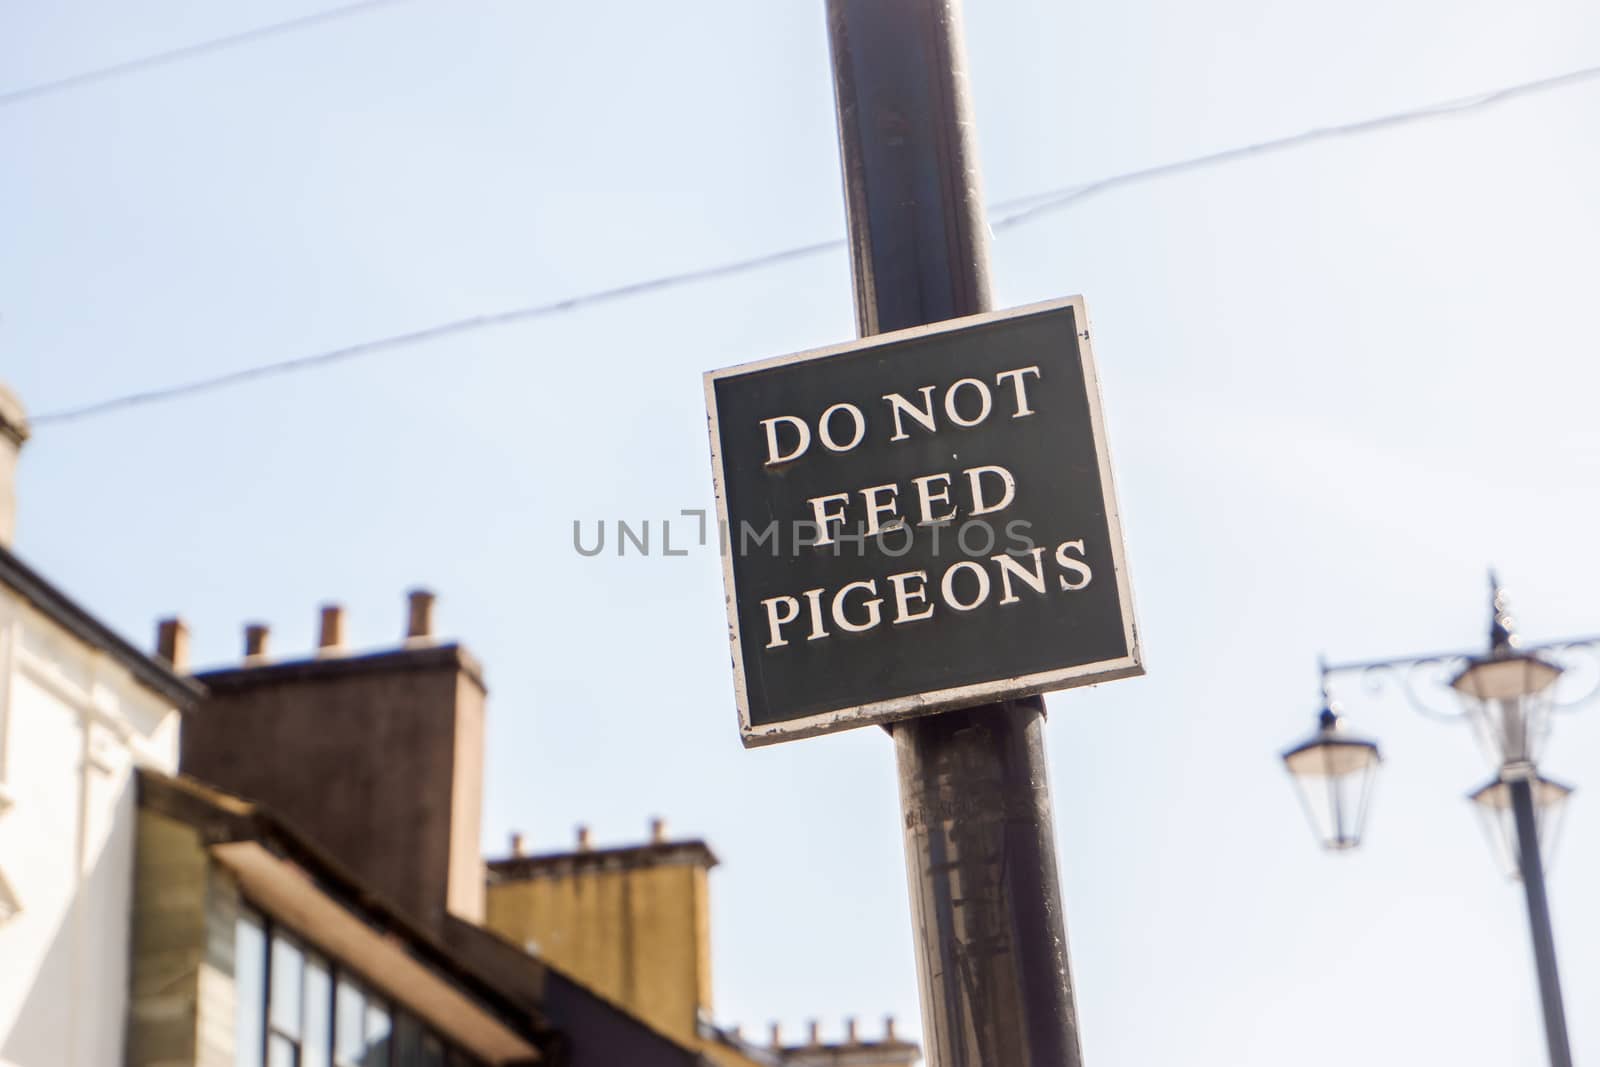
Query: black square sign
[{"x": 918, "y": 521}]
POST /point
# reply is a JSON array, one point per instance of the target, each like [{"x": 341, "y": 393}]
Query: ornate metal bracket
[
  {"x": 1578, "y": 658},
  {"x": 1417, "y": 677}
]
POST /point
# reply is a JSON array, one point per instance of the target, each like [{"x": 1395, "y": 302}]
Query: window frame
[
  {"x": 258, "y": 918},
  {"x": 272, "y": 931},
  {"x": 275, "y": 938}
]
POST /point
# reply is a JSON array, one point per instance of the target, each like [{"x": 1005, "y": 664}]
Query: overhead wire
[
  {"x": 176, "y": 55},
  {"x": 431, "y": 333},
  {"x": 1028, "y": 208},
  {"x": 1013, "y": 213}
]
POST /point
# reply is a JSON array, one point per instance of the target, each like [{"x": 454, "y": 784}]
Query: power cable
[
  {"x": 162, "y": 59},
  {"x": 430, "y": 333},
  {"x": 1021, "y": 210},
  {"x": 1029, "y": 208}
]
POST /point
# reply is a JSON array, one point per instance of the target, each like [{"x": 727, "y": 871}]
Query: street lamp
[
  {"x": 1508, "y": 695},
  {"x": 1495, "y": 807},
  {"x": 1334, "y": 772}
]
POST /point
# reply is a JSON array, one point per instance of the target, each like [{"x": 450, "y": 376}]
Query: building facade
[
  {"x": 80, "y": 711},
  {"x": 634, "y": 924},
  {"x": 375, "y": 759},
  {"x": 277, "y": 864},
  {"x": 148, "y": 921},
  {"x": 377, "y": 756},
  {"x": 253, "y": 948}
]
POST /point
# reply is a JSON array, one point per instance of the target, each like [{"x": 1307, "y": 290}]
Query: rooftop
[
  {"x": 691, "y": 852},
  {"x": 289, "y": 877},
  {"x": 262, "y": 671},
  {"x": 65, "y": 612}
]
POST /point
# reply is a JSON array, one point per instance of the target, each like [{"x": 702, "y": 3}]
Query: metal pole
[
  {"x": 980, "y": 855},
  {"x": 985, "y": 894},
  {"x": 1531, "y": 866}
]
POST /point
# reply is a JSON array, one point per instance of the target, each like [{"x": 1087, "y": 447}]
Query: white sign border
[{"x": 916, "y": 704}]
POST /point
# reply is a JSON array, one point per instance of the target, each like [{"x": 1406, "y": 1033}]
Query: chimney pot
[
  {"x": 330, "y": 635},
  {"x": 516, "y": 844},
  {"x": 850, "y": 1031},
  {"x": 419, "y": 619},
  {"x": 777, "y": 1035},
  {"x": 888, "y": 1028},
  {"x": 255, "y": 640},
  {"x": 172, "y": 644},
  {"x": 13, "y": 434},
  {"x": 658, "y": 831},
  {"x": 816, "y": 1032},
  {"x": 583, "y": 839}
]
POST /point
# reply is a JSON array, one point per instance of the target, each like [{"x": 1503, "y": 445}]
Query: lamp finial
[
  {"x": 1328, "y": 718},
  {"x": 1502, "y": 627}
]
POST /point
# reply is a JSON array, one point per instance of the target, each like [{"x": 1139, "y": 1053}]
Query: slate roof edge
[{"x": 158, "y": 677}]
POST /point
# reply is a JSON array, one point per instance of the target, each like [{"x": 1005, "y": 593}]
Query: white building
[
  {"x": 148, "y": 919},
  {"x": 80, "y": 708}
]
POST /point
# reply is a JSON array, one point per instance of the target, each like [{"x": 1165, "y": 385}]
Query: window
[
  {"x": 415, "y": 1046},
  {"x": 361, "y": 1026},
  {"x": 250, "y": 989},
  {"x": 316, "y": 1045},
  {"x": 379, "y": 1028},
  {"x": 285, "y": 1002},
  {"x": 407, "y": 1042},
  {"x": 296, "y": 1008},
  {"x": 349, "y": 1025}
]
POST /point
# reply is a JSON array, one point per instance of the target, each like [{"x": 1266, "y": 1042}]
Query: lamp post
[{"x": 1507, "y": 695}]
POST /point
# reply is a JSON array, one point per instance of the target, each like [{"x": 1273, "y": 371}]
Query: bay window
[{"x": 297, "y": 1008}]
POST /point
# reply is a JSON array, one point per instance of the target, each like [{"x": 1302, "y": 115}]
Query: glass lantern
[
  {"x": 1334, "y": 772},
  {"x": 1493, "y": 803},
  {"x": 1507, "y": 695}
]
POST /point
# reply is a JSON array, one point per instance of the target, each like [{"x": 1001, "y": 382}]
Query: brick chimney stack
[
  {"x": 330, "y": 630},
  {"x": 631, "y": 922},
  {"x": 256, "y": 635},
  {"x": 13, "y": 434},
  {"x": 172, "y": 644},
  {"x": 376, "y": 756},
  {"x": 419, "y": 616}
]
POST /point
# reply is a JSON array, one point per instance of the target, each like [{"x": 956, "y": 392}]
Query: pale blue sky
[{"x": 1339, "y": 382}]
